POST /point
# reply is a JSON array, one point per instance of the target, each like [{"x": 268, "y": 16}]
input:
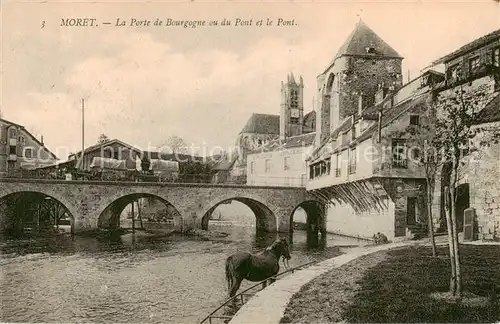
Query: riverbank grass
[{"x": 403, "y": 285}]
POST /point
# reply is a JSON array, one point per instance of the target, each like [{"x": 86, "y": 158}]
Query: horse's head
[{"x": 282, "y": 247}]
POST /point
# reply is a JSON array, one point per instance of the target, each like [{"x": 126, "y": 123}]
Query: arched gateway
[{"x": 94, "y": 204}]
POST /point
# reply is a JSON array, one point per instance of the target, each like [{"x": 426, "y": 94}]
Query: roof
[
  {"x": 262, "y": 124},
  {"x": 344, "y": 126},
  {"x": 31, "y": 136},
  {"x": 226, "y": 163},
  {"x": 490, "y": 113},
  {"x": 310, "y": 116},
  {"x": 113, "y": 141},
  {"x": 362, "y": 37},
  {"x": 287, "y": 143},
  {"x": 391, "y": 114},
  {"x": 479, "y": 42},
  {"x": 171, "y": 156}
]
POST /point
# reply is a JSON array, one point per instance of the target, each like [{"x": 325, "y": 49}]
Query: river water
[{"x": 129, "y": 278}]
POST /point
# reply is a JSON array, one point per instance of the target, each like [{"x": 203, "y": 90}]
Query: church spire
[{"x": 292, "y": 78}]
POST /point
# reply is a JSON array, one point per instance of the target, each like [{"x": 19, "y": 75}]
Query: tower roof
[
  {"x": 361, "y": 38},
  {"x": 291, "y": 78}
]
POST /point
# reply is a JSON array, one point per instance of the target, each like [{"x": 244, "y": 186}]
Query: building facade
[
  {"x": 281, "y": 161},
  {"x": 473, "y": 79},
  {"x": 363, "y": 160},
  {"x": 264, "y": 130},
  {"x": 112, "y": 149},
  {"x": 19, "y": 149},
  {"x": 362, "y": 64}
]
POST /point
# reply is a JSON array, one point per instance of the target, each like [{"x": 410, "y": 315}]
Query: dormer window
[{"x": 370, "y": 50}]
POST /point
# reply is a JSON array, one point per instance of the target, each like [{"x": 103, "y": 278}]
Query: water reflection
[{"x": 125, "y": 277}]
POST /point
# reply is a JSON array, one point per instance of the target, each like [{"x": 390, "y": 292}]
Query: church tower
[
  {"x": 364, "y": 64},
  {"x": 292, "y": 107}
]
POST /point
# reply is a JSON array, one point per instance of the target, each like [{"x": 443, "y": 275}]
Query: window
[
  {"x": 370, "y": 50},
  {"x": 268, "y": 165},
  {"x": 352, "y": 161},
  {"x": 496, "y": 57},
  {"x": 115, "y": 155},
  {"x": 399, "y": 153},
  {"x": 252, "y": 167},
  {"x": 474, "y": 63},
  {"x": 22, "y": 139},
  {"x": 28, "y": 152},
  {"x": 353, "y": 132},
  {"x": 13, "y": 150},
  {"x": 286, "y": 163},
  {"x": 414, "y": 120},
  {"x": 108, "y": 152},
  {"x": 12, "y": 133}
]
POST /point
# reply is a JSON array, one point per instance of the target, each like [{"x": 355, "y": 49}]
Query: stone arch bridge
[{"x": 94, "y": 204}]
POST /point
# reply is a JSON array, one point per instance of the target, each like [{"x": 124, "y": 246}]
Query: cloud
[
  {"x": 142, "y": 86},
  {"x": 147, "y": 90}
]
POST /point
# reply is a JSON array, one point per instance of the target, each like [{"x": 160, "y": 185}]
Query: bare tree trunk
[
  {"x": 430, "y": 188},
  {"x": 451, "y": 242},
  {"x": 139, "y": 212},
  {"x": 455, "y": 229}
]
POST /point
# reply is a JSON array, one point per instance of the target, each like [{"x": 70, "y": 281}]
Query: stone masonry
[{"x": 92, "y": 203}]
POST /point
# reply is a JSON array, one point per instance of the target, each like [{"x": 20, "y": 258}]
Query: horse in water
[{"x": 255, "y": 267}]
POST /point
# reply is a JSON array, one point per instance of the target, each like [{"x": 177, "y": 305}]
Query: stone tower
[
  {"x": 292, "y": 107},
  {"x": 364, "y": 64}
]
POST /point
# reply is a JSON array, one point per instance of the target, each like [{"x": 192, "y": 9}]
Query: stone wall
[
  {"x": 480, "y": 169},
  {"x": 364, "y": 77},
  {"x": 400, "y": 190}
]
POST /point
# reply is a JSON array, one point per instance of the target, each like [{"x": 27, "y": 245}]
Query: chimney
[{"x": 41, "y": 141}]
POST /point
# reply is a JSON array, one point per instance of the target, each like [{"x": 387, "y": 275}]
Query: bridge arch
[
  {"x": 108, "y": 214},
  {"x": 68, "y": 205},
  {"x": 266, "y": 219},
  {"x": 315, "y": 221}
]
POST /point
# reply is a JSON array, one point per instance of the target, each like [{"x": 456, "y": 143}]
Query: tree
[
  {"x": 102, "y": 139},
  {"x": 424, "y": 140},
  {"x": 176, "y": 144},
  {"x": 145, "y": 163},
  {"x": 454, "y": 118}
]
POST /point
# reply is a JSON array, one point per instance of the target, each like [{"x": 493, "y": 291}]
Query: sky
[{"x": 143, "y": 84}]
